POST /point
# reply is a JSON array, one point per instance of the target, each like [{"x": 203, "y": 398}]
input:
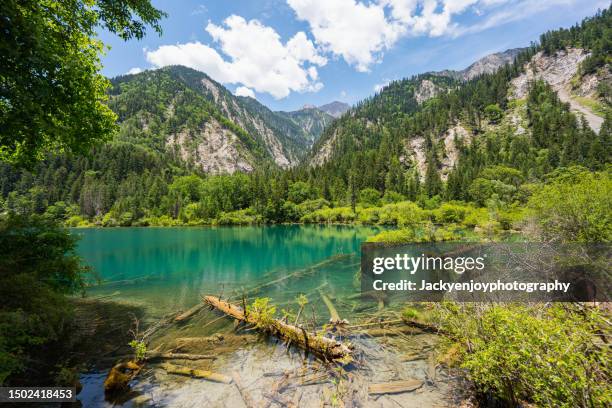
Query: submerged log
[
  {"x": 327, "y": 348},
  {"x": 178, "y": 356},
  {"x": 405, "y": 358},
  {"x": 391, "y": 331},
  {"x": 297, "y": 274},
  {"x": 119, "y": 376},
  {"x": 188, "y": 313},
  {"x": 395, "y": 387},
  {"x": 205, "y": 374},
  {"x": 379, "y": 324},
  {"x": 334, "y": 317}
]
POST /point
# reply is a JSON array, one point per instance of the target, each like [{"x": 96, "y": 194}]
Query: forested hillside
[
  {"x": 188, "y": 93},
  {"x": 428, "y": 139},
  {"x": 313, "y": 122}
]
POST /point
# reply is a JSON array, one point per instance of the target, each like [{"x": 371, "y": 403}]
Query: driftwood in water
[
  {"x": 120, "y": 375},
  {"x": 327, "y": 348},
  {"x": 178, "y": 356},
  {"x": 334, "y": 317},
  {"x": 392, "y": 331},
  {"x": 188, "y": 313},
  {"x": 426, "y": 327},
  {"x": 246, "y": 398},
  {"x": 395, "y": 387},
  {"x": 405, "y": 358},
  {"x": 380, "y": 324},
  {"x": 186, "y": 342},
  {"x": 296, "y": 274},
  {"x": 205, "y": 374}
]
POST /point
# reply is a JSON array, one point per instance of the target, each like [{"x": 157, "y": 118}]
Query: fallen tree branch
[
  {"x": 190, "y": 372},
  {"x": 334, "y": 317},
  {"x": 178, "y": 356},
  {"x": 297, "y": 274},
  {"x": 395, "y": 387},
  {"x": 325, "y": 347},
  {"x": 188, "y": 313}
]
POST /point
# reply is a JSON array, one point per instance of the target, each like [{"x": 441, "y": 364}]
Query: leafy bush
[
  {"x": 400, "y": 236},
  {"x": 240, "y": 217},
  {"x": 38, "y": 265},
  {"x": 330, "y": 215},
  {"x": 263, "y": 311},
  {"x": 450, "y": 213},
  {"x": 575, "y": 206},
  {"x": 391, "y": 197},
  {"x": 545, "y": 355}
]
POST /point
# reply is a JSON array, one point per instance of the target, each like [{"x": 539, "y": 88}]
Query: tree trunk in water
[{"x": 327, "y": 348}]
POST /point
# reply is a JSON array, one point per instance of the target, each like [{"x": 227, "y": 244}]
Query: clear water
[{"x": 168, "y": 269}]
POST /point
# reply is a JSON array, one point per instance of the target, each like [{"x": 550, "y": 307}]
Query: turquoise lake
[{"x": 168, "y": 269}]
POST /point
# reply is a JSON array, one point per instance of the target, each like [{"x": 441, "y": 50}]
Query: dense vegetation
[
  {"x": 503, "y": 180},
  {"x": 51, "y": 99},
  {"x": 38, "y": 266}
]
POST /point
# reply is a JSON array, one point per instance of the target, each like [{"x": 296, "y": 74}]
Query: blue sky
[{"x": 288, "y": 53}]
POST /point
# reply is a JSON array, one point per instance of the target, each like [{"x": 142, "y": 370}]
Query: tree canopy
[{"x": 51, "y": 92}]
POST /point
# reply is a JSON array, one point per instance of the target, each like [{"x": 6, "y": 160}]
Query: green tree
[
  {"x": 51, "y": 91},
  {"x": 494, "y": 113}
]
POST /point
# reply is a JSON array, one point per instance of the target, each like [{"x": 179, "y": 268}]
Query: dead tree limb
[{"x": 324, "y": 347}]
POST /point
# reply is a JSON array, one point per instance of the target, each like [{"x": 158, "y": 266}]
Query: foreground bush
[
  {"x": 38, "y": 266},
  {"x": 550, "y": 356}
]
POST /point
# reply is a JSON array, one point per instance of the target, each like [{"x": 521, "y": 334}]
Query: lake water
[
  {"x": 169, "y": 269},
  {"x": 166, "y": 270}
]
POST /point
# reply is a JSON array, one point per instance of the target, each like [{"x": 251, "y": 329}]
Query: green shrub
[
  {"x": 330, "y": 215},
  {"x": 450, "y": 213},
  {"x": 391, "y": 197},
  {"x": 545, "y": 355},
  {"x": 38, "y": 266},
  {"x": 368, "y": 216},
  {"x": 476, "y": 217},
  {"x": 240, "y": 217},
  {"x": 400, "y": 236},
  {"x": 575, "y": 206},
  {"x": 77, "y": 221}
]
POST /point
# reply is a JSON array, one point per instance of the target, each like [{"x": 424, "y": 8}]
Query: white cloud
[
  {"x": 356, "y": 31},
  {"x": 360, "y": 31},
  {"x": 133, "y": 71},
  {"x": 244, "y": 91},
  {"x": 257, "y": 58}
]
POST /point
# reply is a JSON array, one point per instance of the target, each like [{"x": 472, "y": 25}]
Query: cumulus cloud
[
  {"x": 360, "y": 31},
  {"x": 133, "y": 71},
  {"x": 244, "y": 91},
  {"x": 256, "y": 58}
]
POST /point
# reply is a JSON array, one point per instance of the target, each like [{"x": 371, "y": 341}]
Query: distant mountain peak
[
  {"x": 485, "y": 65},
  {"x": 308, "y": 106},
  {"x": 335, "y": 108}
]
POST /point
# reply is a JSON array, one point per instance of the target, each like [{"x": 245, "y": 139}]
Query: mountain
[
  {"x": 436, "y": 133},
  {"x": 202, "y": 123},
  {"x": 368, "y": 119},
  {"x": 486, "y": 65},
  {"x": 335, "y": 109},
  {"x": 311, "y": 120}
]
